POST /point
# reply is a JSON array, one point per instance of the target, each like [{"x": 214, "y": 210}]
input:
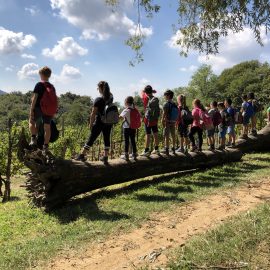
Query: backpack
[
  {"x": 152, "y": 112},
  {"x": 110, "y": 115},
  {"x": 207, "y": 120},
  {"x": 249, "y": 110},
  {"x": 227, "y": 119},
  {"x": 54, "y": 132},
  {"x": 257, "y": 107},
  {"x": 135, "y": 118},
  {"x": 48, "y": 101},
  {"x": 173, "y": 114},
  {"x": 187, "y": 117},
  {"x": 238, "y": 118},
  {"x": 217, "y": 119}
]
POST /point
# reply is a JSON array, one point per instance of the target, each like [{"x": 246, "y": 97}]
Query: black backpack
[{"x": 186, "y": 115}]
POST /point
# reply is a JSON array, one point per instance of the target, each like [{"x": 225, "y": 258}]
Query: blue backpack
[
  {"x": 249, "y": 109},
  {"x": 173, "y": 112}
]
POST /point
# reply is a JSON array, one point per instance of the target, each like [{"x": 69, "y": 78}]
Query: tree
[
  {"x": 203, "y": 84},
  {"x": 203, "y": 22}
]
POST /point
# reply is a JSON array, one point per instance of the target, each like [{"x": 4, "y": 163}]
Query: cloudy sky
[{"x": 83, "y": 42}]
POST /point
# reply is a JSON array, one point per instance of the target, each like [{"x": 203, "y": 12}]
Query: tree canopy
[{"x": 202, "y": 23}]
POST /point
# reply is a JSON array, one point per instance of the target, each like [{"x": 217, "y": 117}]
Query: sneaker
[
  {"x": 104, "y": 159},
  {"x": 165, "y": 151},
  {"x": 186, "y": 150},
  {"x": 155, "y": 152},
  {"x": 134, "y": 155},
  {"x": 125, "y": 157},
  {"x": 193, "y": 148},
  {"x": 33, "y": 141},
  {"x": 80, "y": 157},
  {"x": 173, "y": 150},
  {"x": 228, "y": 144},
  {"x": 180, "y": 150},
  {"x": 233, "y": 145},
  {"x": 254, "y": 132},
  {"x": 145, "y": 154},
  {"x": 221, "y": 147},
  {"x": 211, "y": 148}
]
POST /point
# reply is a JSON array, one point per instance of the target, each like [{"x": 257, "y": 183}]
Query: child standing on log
[
  {"x": 44, "y": 106},
  {"x": 185, "y": 119},
  {"x": 132, "y": 121},
  {"x": 223, "y": 126},
  {"x": 169, "y": 118},
  {"x": 197, "y": 125},
  {"x": 231, "y": 124},
  {"x": 96, "y": 123},
  {"x": 247, "y": 112},
  {"x": 152, "y": 113}
]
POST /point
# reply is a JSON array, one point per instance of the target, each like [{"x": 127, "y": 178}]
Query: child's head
[
  {"x": 213, "y": 104},
  {"x": 45, "y": 73},
  {"x": 251, "y": 96},
  {"x": 244, "y": 97},
  {"x": 221, "y": 106},
  {"x": 196, "y": 103},
  {"x": 129, "y": 101},
  {"x": 228, "y": 102},
  {"x": 181, "y": 100},
  {"x": 148, "y": 90},
  {"x": 168, "y": 94}
]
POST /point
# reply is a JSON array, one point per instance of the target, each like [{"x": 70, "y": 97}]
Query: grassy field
[
  {"x": 243, "y": 241},
  {"x": 30, "y": 237}
]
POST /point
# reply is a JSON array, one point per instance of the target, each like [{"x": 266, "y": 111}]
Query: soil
[{"x": 153, "y": 241}]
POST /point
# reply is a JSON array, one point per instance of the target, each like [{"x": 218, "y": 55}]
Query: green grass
[
  {"x": 244, "y": 240},
  {"x": 29, "y": 236}
]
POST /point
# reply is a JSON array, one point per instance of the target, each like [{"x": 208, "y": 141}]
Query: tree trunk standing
[
  {"x": 52, "y": 183},
  {"x": 7, "y": 191},
  {"x": 1, "y": 184}
]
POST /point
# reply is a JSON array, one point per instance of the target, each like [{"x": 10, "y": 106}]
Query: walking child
[
  {"x": 44, "y": 106},
  {"x": 132, "y": 121},
  {"x": 169, "y": 118},
  {"x": 152, "y": 113}
]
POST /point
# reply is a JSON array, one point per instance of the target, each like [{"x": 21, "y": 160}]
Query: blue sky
[{"x": 83, "y": 42}]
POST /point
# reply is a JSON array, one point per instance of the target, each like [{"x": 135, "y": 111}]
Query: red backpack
[
  {"x": 135, "y": 118},
  {"x": 48, "y": 102},
  {"x": 207, "y": 120},
  {"x": 217, "y": 119}
]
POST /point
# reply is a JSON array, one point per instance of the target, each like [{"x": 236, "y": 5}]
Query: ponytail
[{"x": 105, "y": 89}]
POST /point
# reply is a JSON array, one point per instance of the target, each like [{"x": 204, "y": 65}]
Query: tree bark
[{"x": 53, "y": 182}]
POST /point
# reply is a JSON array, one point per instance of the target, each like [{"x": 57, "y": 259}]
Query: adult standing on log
[{"x": 97, "y": 125}]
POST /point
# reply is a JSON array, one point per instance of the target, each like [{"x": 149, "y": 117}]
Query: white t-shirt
[{"x": 126, "y": 115}]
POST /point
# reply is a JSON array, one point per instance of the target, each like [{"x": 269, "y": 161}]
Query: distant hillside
[{"x": 2, "y": 92}]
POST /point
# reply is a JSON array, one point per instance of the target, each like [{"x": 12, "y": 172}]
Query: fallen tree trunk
[{"x": 52, "y": 182}]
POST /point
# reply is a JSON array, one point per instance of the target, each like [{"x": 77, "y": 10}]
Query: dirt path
[{"x": 163, "y": 232}]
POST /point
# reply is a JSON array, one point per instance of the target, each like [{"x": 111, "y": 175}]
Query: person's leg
[
  {"x": 155, "y": 133},
  {"x": 126, "y": 136},
  {"x": 132, "y": 136},
  {"x": 191, "y": 136},
  {"x": 95, "y": 131},
  {"x": 106, "y": 130},
  {"x": 200, "y": 135},
  {"x": 47, "y": 133},
  {"x": 147, "y": 138},
  {"x": 172, "y": 131},
  {"x": 167, "y": 136}
]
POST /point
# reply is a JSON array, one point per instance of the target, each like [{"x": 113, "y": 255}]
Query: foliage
[{"x": 202, "y": 23}]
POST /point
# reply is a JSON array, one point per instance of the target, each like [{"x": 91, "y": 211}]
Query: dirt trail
[{"x": 163, "y": 232}]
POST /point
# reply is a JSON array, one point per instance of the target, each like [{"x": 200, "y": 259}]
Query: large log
[{"x": 54, "y": 181}]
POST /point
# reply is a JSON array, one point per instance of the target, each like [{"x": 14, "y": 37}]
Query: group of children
[{"x": 218, "y": 118}]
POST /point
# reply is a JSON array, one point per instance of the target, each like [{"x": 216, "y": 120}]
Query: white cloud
[
  {"x": 191, "y": 68},
  {"x": 236, "y": 48},
  {"x": 10, "y": 68},
  {"x": 11, "y": 42},
  {"x": 28, "y": 56},
  {"x": 68, "y": 73},
  {"x": 87, "y": 63},
  {"x": 96, "y": 20},
  {"x": 65, "y": 49},
  {"x": 33, "y": 10},
  {"x": 29, "y": 72}
]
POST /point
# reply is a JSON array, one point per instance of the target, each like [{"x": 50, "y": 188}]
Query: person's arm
[
  {"x": 93, "y": 116},
  {"x": 32, "y": 107}
]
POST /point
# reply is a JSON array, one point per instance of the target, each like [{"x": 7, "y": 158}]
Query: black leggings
[
  {"x": 192, "y": 132},
  {"x": 97, "y": 128},
  {"x": 130, "y": 134}
]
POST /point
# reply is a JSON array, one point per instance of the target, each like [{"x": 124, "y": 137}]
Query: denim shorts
[
  {"x": 169, "y": 129},
  {"x": 246, "y": 119},
  {"x": 222, "y": 132},
  {"x": 231, "y": 130}
]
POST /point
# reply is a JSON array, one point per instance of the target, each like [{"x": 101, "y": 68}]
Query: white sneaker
[
  {"x": 155, "y": 152},
  {"x": 33, "y": 141},
  {"x": 124, "y": 157},
  {"x": 145, "y": 154}
]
